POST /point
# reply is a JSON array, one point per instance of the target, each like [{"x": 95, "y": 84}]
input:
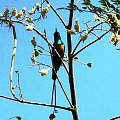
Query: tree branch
[
  {"x": 64, "y": 92},
  {"x": 36, "y": 103},
  {"x": 12, "y": 60},
  {"x": 70, "y": 62},
  {"x": 19, "y": 87},
  {"x": 56, "y": 13},
  {"x": 115, "y": 118},
  {"x": 89, "y": 44},
  {"x": 88, "y": 33}
]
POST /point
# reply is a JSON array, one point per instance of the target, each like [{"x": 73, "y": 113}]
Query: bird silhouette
[{"x": 60, "y": 48}]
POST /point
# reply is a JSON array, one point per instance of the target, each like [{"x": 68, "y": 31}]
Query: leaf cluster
[
  {"x": 107, "y": 6},
  {"x": 110, "y": 5},
  {"x": 92, "y": 8}
]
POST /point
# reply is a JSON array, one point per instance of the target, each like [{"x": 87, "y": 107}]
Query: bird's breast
[{"x": 60, "y": 47}]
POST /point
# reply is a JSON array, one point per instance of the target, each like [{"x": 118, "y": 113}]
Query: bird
[{"x": 60, "y": 48}]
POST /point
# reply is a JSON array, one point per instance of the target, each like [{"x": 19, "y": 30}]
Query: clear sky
[{"x": 97, "y": 87}]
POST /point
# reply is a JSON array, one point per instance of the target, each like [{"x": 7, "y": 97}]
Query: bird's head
[{"x": 57, "y": 35}]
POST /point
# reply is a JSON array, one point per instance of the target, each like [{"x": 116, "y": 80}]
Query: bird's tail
[{"x": 54, "y": 76}]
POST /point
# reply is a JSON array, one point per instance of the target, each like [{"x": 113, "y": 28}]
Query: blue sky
[{"x": 97, "y": 87}]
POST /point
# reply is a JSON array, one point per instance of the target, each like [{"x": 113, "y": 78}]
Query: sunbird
[{"x": 60, "y": 48}]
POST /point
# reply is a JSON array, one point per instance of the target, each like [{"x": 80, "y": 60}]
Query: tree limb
[
  {"x": 12, "y": 61},
  {"x": 115, "y": 118},
  {"x": 36, "y": 103},
  {"x": 89, "y": 44},
  {"x": 56, "y": 13},
  {"x": 70, "y": 62}
]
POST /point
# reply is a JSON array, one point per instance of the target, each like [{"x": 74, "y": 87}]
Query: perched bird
[{"x": 60, "y": 48}]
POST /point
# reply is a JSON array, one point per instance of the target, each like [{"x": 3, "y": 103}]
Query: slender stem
[
  {"x": 55, "y": 97},
  {"x": 70, "y": 62},
  {"x": 36, "y": 103},
  {"x": 64, "y": 92},
  {"x": 56, "y": 13},
  {"x": 77, "y": 2},
  {"x": 90, "y": 31},
  {"x": 12, "y": 62},
  {"x": 89, "y": 44},
  {"x": 115, "y": 118},
  {"x": 53, "y": 89},
  {"x": 43, "y": 48},
  {"x": 76, "y": 46},
  {"x": 21, "y": 96},
  {"x": 95, "y": 26}
]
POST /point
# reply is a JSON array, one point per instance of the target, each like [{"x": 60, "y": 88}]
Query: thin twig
[
  {"x": 89, "y": 44},
  {"x": 21, "y": 96},
  {"x": 39, "y": 63},
  {"x": 53, "y": 89},
  {"x": 36, "y": 103},
  {"x": 77, "y": 2},
  {"x": 56, "y": 13},
  {"x": 43, "y": 48},
  {"x": 95, "y": 35},
  {"x": 95, "y": 27},
  {"x": 55, "y": 97},
  {"x": 76, "y": 46},
  {"x": 114, "y": 118},
  {"x": 12, "y": 62},
  {"x": 64, "y": 92},
  {"x": 90, "y": 31}
]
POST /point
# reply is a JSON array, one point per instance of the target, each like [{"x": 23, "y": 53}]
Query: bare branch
[
  {"x": 64, "y": 92},
  {"x": 56, "y": 13},
  {"x": 90, "y": 31},
  {"x": 70, "y": 62},
  {"x": 36, "y": 103},
  {"x": 12, "y": 61},
  {"x": 115, "y": 118},
  {"x": 89, "y": 44},
  {"x": 21, "y": 96}
]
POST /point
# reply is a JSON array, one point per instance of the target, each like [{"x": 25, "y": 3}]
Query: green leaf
[
  {"x": 105, "y": 3},
  {"x": 116, "y": 2},
  {"x": 52, "y": 116},
  {"x": 89, "y": 64},
  {"x": 36, "y": 53},
  {"x": 18, "y": 117}
]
